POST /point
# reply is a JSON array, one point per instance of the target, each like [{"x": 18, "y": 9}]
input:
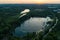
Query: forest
[{"x": 9, "y": 20}]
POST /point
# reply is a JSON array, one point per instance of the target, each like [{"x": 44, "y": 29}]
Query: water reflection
[
  {"x": 34, "y": 24},
  {"x": 25, "y": 11}
]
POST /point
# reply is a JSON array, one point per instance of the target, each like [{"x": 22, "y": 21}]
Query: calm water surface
[{"x": 34, "y": 24}]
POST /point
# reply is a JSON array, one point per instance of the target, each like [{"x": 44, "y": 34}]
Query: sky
[{"x": 28, "y": 1}]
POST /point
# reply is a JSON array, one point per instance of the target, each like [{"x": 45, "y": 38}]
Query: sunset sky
[{"x": 28, "y": 1}]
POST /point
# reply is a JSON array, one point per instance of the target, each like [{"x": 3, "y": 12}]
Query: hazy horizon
[{"x": 29, "y": 1}]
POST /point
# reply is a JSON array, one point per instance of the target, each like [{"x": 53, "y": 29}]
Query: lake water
[{"x": 34, "y": 24}]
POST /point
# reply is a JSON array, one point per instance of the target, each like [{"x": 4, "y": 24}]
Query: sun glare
[{"x": 40, "y": 1}]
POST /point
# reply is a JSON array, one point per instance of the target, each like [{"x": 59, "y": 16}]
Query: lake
[{"x": 34, "y": 24}]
